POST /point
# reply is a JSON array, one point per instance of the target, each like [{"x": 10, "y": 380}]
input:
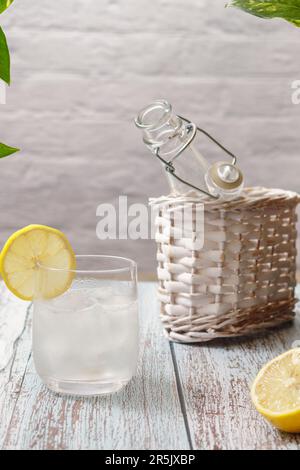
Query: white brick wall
[{"x": 82, "y": 68}]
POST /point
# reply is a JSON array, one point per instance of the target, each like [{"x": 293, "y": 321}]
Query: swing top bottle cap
[{"x": 225, "y": 175}]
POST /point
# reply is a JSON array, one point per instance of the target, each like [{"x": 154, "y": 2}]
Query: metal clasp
[{"x": 169, "y": 165}]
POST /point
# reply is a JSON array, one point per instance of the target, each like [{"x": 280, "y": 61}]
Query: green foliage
[
  {"x": 4, "y": 52},
  {"x": 5, "y": 150},
  {"x": 4, "y": 4},
  {"x": 4, "y": 58},
  {"x": 286, "y": 9}
]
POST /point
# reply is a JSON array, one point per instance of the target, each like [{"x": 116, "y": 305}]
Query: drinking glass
[{"x": 85, "y": 341}]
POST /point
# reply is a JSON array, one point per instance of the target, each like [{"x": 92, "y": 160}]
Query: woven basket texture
[{"x": 242, "y": 279}]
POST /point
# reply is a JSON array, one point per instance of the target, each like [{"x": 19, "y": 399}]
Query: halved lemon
[
  {"x": 26, "y": 251},
  {"x": 276, "y": 391}
]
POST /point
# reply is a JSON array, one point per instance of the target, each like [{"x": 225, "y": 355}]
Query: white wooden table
[{"x": 183, "y": 397}]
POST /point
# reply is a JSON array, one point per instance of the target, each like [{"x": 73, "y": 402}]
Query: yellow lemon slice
[
  {"x": 28, "y": 249},
  {"x": 276, "y": 391}
]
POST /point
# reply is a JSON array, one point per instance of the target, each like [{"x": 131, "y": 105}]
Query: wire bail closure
[{"x": 169, "y": 166}]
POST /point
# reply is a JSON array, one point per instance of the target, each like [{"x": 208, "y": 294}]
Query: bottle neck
[{"x": 163, "y": 130}]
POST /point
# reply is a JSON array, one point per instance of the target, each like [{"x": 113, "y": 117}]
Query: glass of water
[{"x": 85, "y": 341}]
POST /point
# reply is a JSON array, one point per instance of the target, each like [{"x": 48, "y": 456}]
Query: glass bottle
[{"x": 174, "y": 140}]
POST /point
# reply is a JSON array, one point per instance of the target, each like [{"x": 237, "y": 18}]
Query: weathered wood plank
[
  {"x": 12, "y": 320},
  {"x": 215, "y": 381},
  {"x": 12, "y": 317},
  {"x": 145, "y": 415}
]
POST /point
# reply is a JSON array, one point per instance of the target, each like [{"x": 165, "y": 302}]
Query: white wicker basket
[{"x": 242, "y": 280}]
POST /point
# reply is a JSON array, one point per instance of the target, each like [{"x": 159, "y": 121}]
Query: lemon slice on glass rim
[
  {"x": 276, "y": 391},
  {"x": 30, "y": 249}
]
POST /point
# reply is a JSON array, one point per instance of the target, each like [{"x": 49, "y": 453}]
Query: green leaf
[
  {"x": 5, "y": 150},
  {"x": 4, "y": 59},
  {"x": 286, "y": 9},
  {"x": 4, "y": 4}
]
